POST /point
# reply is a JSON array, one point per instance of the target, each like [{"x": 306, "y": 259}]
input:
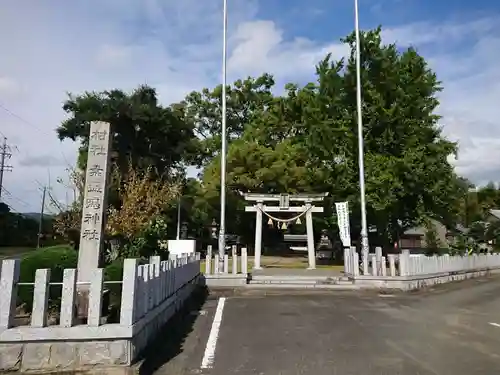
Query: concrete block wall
[{"x": 151, "y": 295}]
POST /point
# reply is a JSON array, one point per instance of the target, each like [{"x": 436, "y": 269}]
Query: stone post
[
  {"x": 258, "y": 236},
  {"x": 234, "y": 269},
  {"x": 66, "y": 316},
  {"x": 355, "y": 261},
  {"x": 383, "y": 268},
  {"x": 347, "y": 261},
  {"x": 128, "y": 312},
  {"x": 94, "y": 209},
  {"x": 392, "y": 264},
  {"x": 39, "y": 311},
  {"x": 8, "y": 291},
  {"x": 95, "y": 298},
  {"x": 310, "y": 238},
  {"x": 378, "y": 253},
  {"x": 366, "y": 266},
  {"x": 374, "y": 266},
  {"x": 404, "y": 263},
  {"x": 208, "y": 264},
  {"x": 216, "y": 264},
  {"x": 244, "y": 261},
  {"x": 226, "y": 263}
]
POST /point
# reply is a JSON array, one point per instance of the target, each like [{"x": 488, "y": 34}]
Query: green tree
[
  {"x": 306, "y": 140},
  {"x": 204, "y": 109},
  {"x": 145, "y": 133}
]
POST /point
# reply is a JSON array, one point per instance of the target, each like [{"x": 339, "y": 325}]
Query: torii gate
[{"x": 307, "y": 208}]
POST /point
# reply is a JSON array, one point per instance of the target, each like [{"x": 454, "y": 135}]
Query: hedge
[{"x": 58, "y": 258}]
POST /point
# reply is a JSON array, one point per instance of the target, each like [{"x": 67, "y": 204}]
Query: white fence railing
[
  {"x": 405, "y": 264},
  {"x": 230, "y": 264},
  {"x": 144, "y": 289}
]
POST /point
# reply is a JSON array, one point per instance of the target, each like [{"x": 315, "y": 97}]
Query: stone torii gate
[{"x": 307, "y": 208}]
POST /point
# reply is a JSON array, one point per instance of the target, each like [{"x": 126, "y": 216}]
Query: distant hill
[{"x": 36, "y": 215}]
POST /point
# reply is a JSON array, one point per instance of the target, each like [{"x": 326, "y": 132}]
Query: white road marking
[
  {"x": 495, "y": 324},
  {"x": 209, "y": 356}
]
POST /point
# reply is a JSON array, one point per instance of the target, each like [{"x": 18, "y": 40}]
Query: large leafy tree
[
  {"x": 306, "y": 140},
  {"x": 145, "y": 133},
  {"x": 204, "y": 109}
]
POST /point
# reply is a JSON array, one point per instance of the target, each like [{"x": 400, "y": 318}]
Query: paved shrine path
[{"x": 453, "y": 329}]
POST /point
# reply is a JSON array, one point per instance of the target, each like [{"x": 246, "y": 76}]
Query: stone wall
[
  {"x": 407, "y": 283},
  {"x": 85, "y": 354},
  {"x": 163, "y": 289}
]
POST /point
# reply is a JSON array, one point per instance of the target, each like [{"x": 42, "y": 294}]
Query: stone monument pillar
[{"x": 94, "y": 209}]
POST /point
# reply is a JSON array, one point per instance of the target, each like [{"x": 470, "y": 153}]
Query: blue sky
[{"x": 51, "y": 47}]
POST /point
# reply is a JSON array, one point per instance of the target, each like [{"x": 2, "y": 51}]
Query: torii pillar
[{"x": 284, "y": 200}]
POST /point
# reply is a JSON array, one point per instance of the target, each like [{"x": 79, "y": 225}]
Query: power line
[
  {"x": 54, "y": 201},
  {"x": 10, "y": 195},
  {"x": 30, "y": 124},
  {"x": 13, "y": 114}
]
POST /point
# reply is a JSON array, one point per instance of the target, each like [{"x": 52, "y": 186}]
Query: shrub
[{"x": 55, "y": 258}]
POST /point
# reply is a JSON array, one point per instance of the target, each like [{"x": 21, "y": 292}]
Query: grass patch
[{"x": 276, "y": 262}]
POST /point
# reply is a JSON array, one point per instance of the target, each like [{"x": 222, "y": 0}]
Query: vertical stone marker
[{"x": 94, "y": 207}]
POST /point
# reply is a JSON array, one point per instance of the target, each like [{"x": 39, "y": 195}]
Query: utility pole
[
  {"x": 40, "y": 225},
  {"x": 4, "y": 155}
]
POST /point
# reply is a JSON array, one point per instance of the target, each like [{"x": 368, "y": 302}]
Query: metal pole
[
  {"x": 2, "y": 163},
  {"x": 40, "y": 225},
  {"x": 222, "y": 224},
  {"x": 178, "y": 218},
  {"x": 364, "y": 229}
]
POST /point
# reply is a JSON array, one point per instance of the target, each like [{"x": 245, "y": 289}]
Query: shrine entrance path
[
  {"x": 290, "y": 262},
  {"x": 282, "y": 271},
  {"x": 453, "y": 329}
]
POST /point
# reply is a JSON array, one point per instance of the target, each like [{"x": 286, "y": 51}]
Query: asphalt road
[{"x": 445, "y": 331}]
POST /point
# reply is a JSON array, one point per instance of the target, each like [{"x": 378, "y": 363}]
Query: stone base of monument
[{"x": 82, "y": 305}]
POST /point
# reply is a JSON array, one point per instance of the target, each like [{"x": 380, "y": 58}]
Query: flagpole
[
  {"x": 222, "y": 224},
  {"x": 364, "y": 229}
]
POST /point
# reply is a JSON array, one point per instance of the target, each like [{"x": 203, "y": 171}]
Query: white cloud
[
  {"x": 259, "y": 46},
  {"x": 175, "y": 46},
  {"x": 9, "y": 87}
]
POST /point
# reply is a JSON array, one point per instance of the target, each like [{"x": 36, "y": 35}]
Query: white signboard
[
  {"x": 343, "y": 223},
  {"x": 179, "y": 247}
]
